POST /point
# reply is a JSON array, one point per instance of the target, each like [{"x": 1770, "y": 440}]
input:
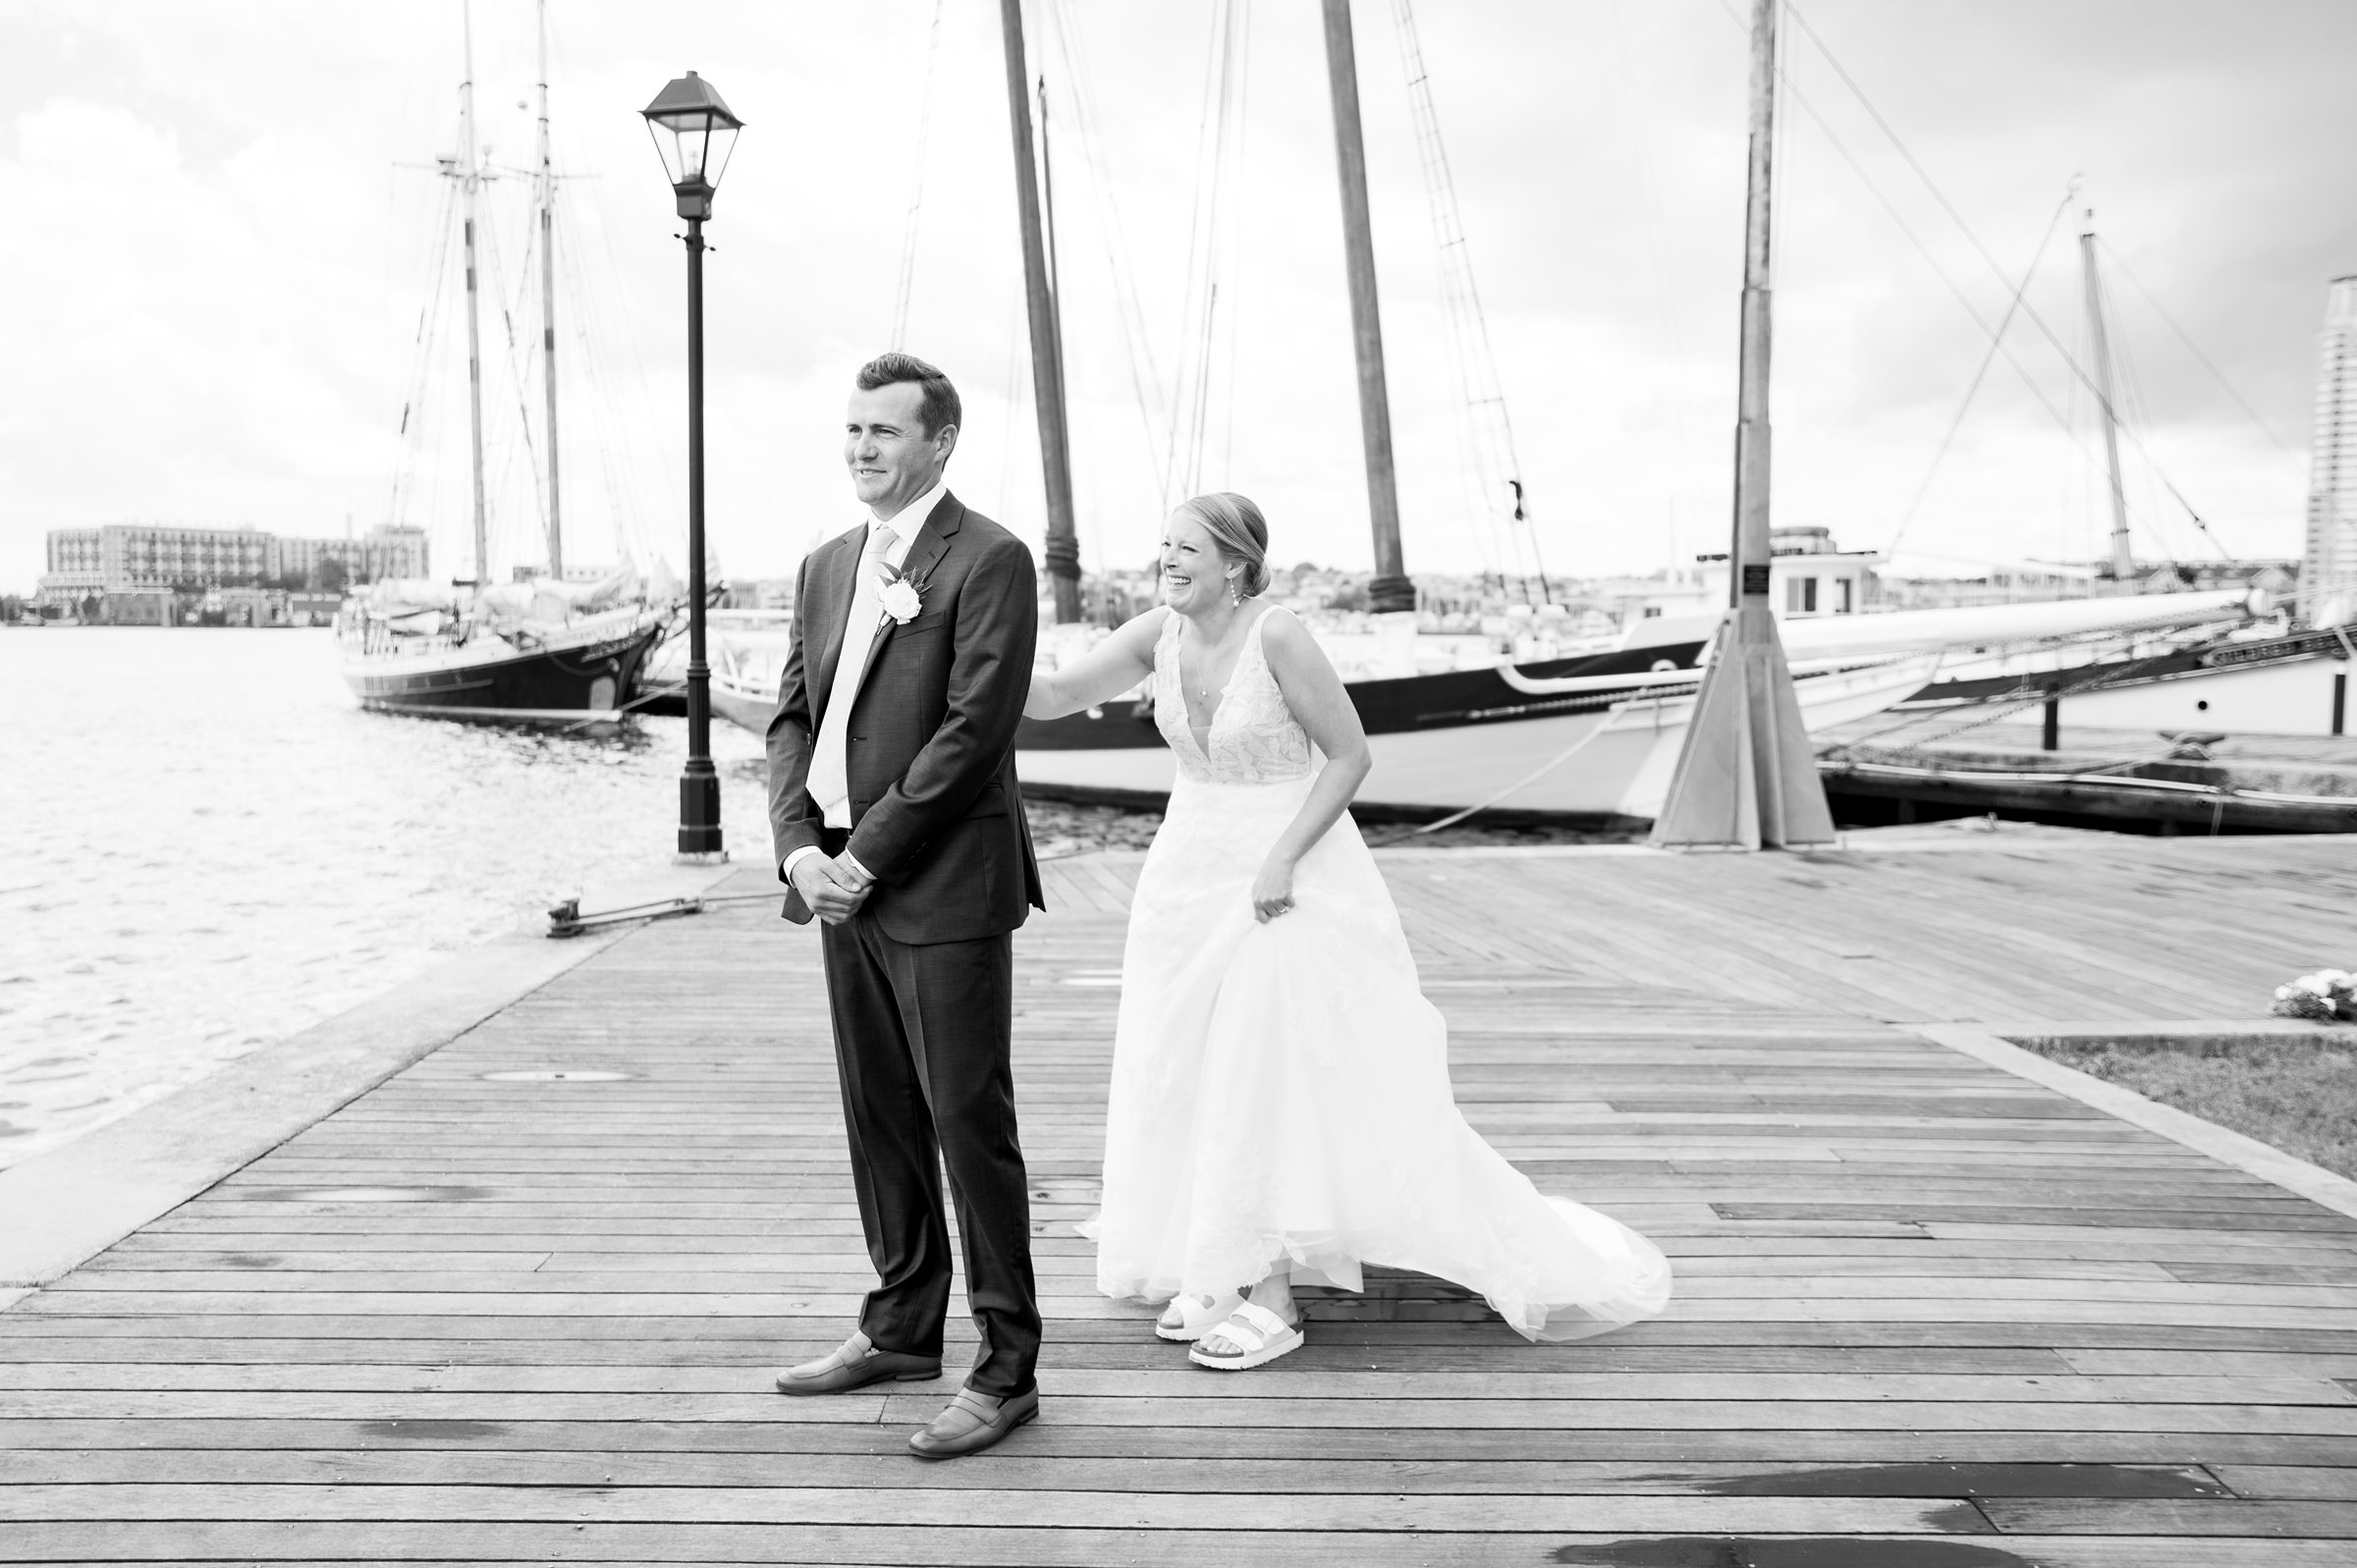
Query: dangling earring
[{"x": 1236, "y": 592}]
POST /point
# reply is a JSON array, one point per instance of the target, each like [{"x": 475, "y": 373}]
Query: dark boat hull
[
  {"x": 1403, "y": 705},
  {"x": 494, "y": 679},
  {"x": 2155, "y": 798}
]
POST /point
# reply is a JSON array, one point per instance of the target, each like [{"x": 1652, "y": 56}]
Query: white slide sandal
[
  {"x": 1195, "y": 1319},
  {"x": 1262, "y": 1335}
]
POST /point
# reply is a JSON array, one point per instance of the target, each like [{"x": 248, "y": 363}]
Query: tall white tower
[{"x": 2328, "y": 565}]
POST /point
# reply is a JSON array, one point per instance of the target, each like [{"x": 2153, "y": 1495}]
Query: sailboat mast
[
  {"x": 1047, "y": 358},
  {"x": 2123, "y": 559},
  {"x": 469, "y": 182},
  {"x": 1391, "y": 588},
  {"x": 1749, "y": 557},
  {"x": 1747, "y": 776},
  {"x": 1047, "y": 216},
  {"x": 548, "y": 307}
]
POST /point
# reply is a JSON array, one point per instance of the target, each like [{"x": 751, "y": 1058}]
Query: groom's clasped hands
[{"x": 833, "y": 886}]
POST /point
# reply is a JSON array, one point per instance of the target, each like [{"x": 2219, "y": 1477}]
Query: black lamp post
[{"x": 695, "y": 130}]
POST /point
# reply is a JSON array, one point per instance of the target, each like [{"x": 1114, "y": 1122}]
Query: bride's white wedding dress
[{"x": 1281, "y": 1090}]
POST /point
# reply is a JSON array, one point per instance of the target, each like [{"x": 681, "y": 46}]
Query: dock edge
[
  {"x": 60, "y": 1209},
  {"x": 1988, "y": 1043}
]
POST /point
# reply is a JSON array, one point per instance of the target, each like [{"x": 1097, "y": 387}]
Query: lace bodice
[{"x": 1253, "y": 739}]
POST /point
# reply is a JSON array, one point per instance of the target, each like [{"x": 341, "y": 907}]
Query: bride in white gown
[{"x": 1281, "y": 1109}]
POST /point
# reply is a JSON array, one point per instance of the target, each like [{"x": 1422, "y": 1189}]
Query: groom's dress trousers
[{"x": 919, "y": 982}]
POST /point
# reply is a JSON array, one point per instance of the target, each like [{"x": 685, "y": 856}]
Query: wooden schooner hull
[
  {"x": 1594, "y": 749},
  {"x": 583, "y": 673},
  {"x": 2295, "y": 684}
]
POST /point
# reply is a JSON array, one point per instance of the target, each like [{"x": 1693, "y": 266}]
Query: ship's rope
[
  {"x": 2071, "y": 361},
  {"x": 621, "y": 401},
  {"x": 1219, "y": 144},
  {"x": 598, "y": 320},
  {"x": 1152, "y": 398},
  {"x": 1490, "y": 464},
  {"x": 1608, "y": 723},
  {"x": 916, "y": 185},
  {"x": 567, "y": 919},
  {"x": 1996, "y": 339},
  {"x": 1648, "y": 184},
  {"x": 415, "y": 405},
  {"x": 2121, "y": 263},
  {"x": 2135, "y": 401},
  {"x": 2127, "y": 670},
  {"x": 518, "y": 375},
  {"x": 1085, "y": 519}
]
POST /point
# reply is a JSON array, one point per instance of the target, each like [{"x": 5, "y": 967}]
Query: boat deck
[
  {"x": 2238, "y": 782},
  {"x": 1929, "y": 1315}
]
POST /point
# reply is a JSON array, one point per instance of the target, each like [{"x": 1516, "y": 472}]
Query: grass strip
[{"x": 2299, "y": 1097}]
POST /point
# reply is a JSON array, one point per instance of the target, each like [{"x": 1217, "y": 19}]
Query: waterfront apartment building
[
  {"x": 384, "y": 551},
  {"x": 2329, "y": 562},
  {"x": 122, "y": 560},
  {"x": 143, "y": 558}
]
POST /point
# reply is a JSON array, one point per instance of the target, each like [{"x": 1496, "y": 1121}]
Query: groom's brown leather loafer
[
  {"x": 973, "y": 1422},
  {"x": 856, "y": 1364}
]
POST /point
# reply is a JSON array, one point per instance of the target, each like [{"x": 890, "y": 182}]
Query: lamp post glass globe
[{"x": 693, "y": 133}]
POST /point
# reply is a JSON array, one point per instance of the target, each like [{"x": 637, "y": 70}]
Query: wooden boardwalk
[{"x": 1929, "y": 1314}]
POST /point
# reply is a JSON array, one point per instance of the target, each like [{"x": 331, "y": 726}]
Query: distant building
[
  {"x": 126, "y": 557},
  {"x": 127, "y": 560},
  {"x": 384, "y": 551},
  {"x": 2328, "y": 563},
  {"x": 756, "y": 593},
  {"x": 1808, "y": 574},
  {"x": 1999, "y": 585},
  {"x": 395, "y": 552}
]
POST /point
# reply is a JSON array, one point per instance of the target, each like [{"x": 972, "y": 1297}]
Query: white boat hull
[{"x": 2287, "y": 699}]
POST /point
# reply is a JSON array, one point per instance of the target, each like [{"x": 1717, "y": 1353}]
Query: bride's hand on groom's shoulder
[{"x": 1273, "y": 889}]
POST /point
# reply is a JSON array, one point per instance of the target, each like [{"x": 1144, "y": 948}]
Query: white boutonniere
[{"x": 901, "y": 597}]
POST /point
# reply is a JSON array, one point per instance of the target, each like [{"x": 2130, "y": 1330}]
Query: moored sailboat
[
  {"x": 542, "y": 648},
  {"x": 1596, "y": 737}
]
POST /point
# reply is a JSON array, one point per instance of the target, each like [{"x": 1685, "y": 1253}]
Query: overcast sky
[{"x": 223, "y": 229}]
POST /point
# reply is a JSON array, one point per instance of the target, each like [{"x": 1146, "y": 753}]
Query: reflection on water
[{"x": 206, "y": 845}]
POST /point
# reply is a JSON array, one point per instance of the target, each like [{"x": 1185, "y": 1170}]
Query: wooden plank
[
  {"x": 2051, "y": 1516},
  {"x": 2315, "y": 1482},
  {"x": 1349, "y": 1382},
  {"x": 969, "y": 1507},
  {"x": 1663, "y": 1446},
  {"x": 818, "y": 1546},
  {"x": 751, "y": 1355},
  {"x": 1211, "y": 1474}
]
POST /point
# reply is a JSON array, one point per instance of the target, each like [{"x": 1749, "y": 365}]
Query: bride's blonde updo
[{"x": 1236, "y": 527}]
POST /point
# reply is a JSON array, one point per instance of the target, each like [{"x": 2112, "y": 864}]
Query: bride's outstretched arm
[
  {"x": 1316, "y": 695},
  {"x": 1100, "y": 674}
]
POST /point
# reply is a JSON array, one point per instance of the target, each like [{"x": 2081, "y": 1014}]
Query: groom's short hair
[{"x": 940, "y": 406}]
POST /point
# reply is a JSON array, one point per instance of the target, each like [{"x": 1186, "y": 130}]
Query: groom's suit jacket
[{"x": 936, "y": 815}]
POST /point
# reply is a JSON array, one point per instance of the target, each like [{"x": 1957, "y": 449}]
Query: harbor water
[{"x": 206, "y": 845}]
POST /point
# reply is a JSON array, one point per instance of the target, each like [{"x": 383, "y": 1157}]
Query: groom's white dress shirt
[{"x": 828, "y": 780}]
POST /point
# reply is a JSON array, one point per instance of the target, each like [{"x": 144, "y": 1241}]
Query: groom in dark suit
[{"x": 894, "y": 813}]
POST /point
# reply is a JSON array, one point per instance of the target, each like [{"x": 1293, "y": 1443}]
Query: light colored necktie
[{"x": 830, "y": 780}]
